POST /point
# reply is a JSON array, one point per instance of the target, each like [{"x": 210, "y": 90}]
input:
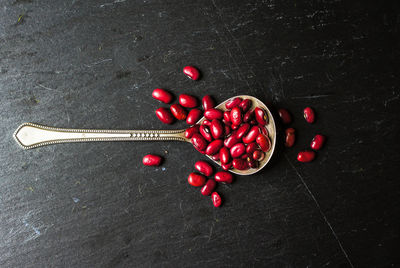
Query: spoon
[{"x": 29, "y": 135}]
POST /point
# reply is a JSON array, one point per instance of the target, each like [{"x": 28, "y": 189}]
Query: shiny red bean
[
  {"x": 251, "y": 162},
  {"x": 205, "y": 132},
  {"x": 258, "y": 155},
  {"x": 251, "y": 147},
  {"x": 251, "y": 135},
  {"x": 240, "y": 164},
  {"x": 206, "y": 123},
  {"x": 227, "y": 116},
  {"x": 227, "y": 166},
  {"x": 216, "y": 199},
  {"x": 285, "y": 116},
  {"x": 236, "y": 116},
  {"x": 213, "y": 113},
  {"x": 204, "y": 168},
  {"x": 190, "y": 131},
  {"x": 309, "y": 115},
  {"x": 317, "y": 142},
  {"x": 191, "y": 72},
  {"x": 248, "y": 116},
  {"x": 231, "y": 140},
  {"x": 223, "y": 176},
  {"x": 245, "y": 105},
  {"x": 290, "y": 137},
  {"x": 237, "y": 150},
  {"x": 264, "y": 142},
  {"x": 214, "y": 147},
  {"x": 224, "y": 155},
  {"x": 217, "y": 129},
  {"x": 208, "y": 102},
  {"x": 261, "y": 116},
  {"x": 164, "y": 115},
  {"x": 178, "y": 111},
  {"x": 196, "y": 180},
  {"x": 151, "y": 160},
  {"x": 306, "y": 156},
  {"x": 193, "y": 116},
  {"x": 209, "y": 187},
  {"x": 227, "y": 130},
  {"x": 162, "y": 95},
  {"x": 199, "y": 142},
  {"x": 242, "y": 130},
  {"x": 233, "y": 103},
  {"x": 187, "y": 101}
]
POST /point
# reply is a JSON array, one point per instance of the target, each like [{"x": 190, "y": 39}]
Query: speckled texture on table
[{"x": 93, "y": 64}]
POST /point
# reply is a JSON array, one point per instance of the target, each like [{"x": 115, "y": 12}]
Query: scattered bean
[
  {"x": 164, "y": 115},
  {"x": 162, "y": 95},
  {"x": 152, "y": 160},
  {"x": 191, "y": 72}
]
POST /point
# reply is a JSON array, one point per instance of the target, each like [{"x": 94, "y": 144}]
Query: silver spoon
[{"x": 29, "y": 135}]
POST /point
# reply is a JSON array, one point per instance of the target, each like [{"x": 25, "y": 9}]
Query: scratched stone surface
[{"x": 93, "y": 64}]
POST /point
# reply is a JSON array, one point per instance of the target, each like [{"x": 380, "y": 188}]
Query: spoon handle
[{"x": 29, "y": 135}]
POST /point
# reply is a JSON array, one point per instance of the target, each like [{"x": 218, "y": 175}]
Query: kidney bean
[
  {"x": 227, "y": 130},
  {"x": 231, "y": 140},
  {"x": 251, "y": 147},
  {"x": 204, "y": 168},
  {"x": 306, "y": 156},
  {"x": 290, "y": 137},
  {"x": 252, "y": 163},
  {"x": 216, "y": 199},
  {"x": 261, "y": 116},
  {"x": 240, "y": 164},
  {"x": 208, "y": 187},
  {"x": 199, "y": 142},
  {"x": 193, "y": 116},
  {"x": 245, "y": 105},
  {"x": 227, "y": 116},
  {"x": 233, "y": 103},
  {"x": 213, "y": 113},
  {"x": 190, "y": 131},
  {"x": 227, "y": 166},
  {"x": 191, "y": 72},
  {"x": 217, "y": 129},
  {"x": 236, "y": 116},
  {"x": 248, "y": 116},
  {"x": 264, "y": 142},
  {"x": 242, "y": 130},
  {"x": 237, "y": 150},
  {"x": 178, "y": 111},
  {"x": 223, "y": 176},
  {"x": 317, "y": 142},
  {"x": 263, "y": 130},
  {"x": 251, "y": 135},
  {"x": 258, "y": 155},
  {"x": 206, "y": 123},
  {"x": 162, "y": 95},
  {"x": 214, "y": 147},
  {"x": 205, "y": 132},
  {"x": 151, "y": 160},
  {"x": 187, "y": 101},
  {"x": 224, "y": 155},
  {"x": 215, "y": 157},
  {"x": 309, "y": 115},
  {"x": 208, "y": 102},
  {"x": 285, "y": 116},
  {"x": 196, "y": 180},
  {"x": 164, "y": 115}
]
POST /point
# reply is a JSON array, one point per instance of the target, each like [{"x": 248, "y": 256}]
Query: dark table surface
[{"x": 94, "y": 64}]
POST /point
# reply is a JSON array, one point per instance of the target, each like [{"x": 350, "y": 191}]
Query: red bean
[
  {"x": 258, "y": 155},
  {"x": 263, "y": 130},
  {"x": 236, "y": 116},
  {"x": 231, "y": 140},
  {"x": 217, "y": 129},
  {"x": 317, "y": 142},
  {"x": 196, "y": 180},
  {"x": 208, "y": 187},
  {"x": 151, "y": 160},
  {"x": 214, "y": 147},
  {"x": 245, "y": 105},
  {"x": 187, "y": 101},
  {"x": 306, "y": 156},
  {"x": 204, "y": 168},
  {"x": 213, "y": 113},
  {"x": 261, "y": 116},
  {"x": 178, "y": 111},
  {"x": 227, "y": 116},
  {"x": 227, "y": 130},
  {"x": 248, "y": 116},
  {"x": 164, "y": 115},
  {"x": 251, "y": 135},
  {"x": 216, "y": 199},
  {"x": 251, "y": 162},
  {"x": 240, "y": 164},
  {"x": 227, "y": 166},
  {"x": 242, "y": 130},
  {"x": 285, "y": 116},
  {"x": 190, "y": 131},
  {"x": 233, "y": 103},
  {"x": 264, "y": 142},
  {"x": 208, "y": 102},
  {"x": 199, "y": 142},
  {"x": 224, "y": 155},
  {"x": 251, "y": 147},
  {"x": 205, "y": 132},
  {"x": 237, "y": 150},
  {"x": 162, "y": 95},
  {"x": 206, "y": 123},
  {"x": 191, "y": 72},
  {"x": 309, "y": 115},
  {"x": 193, "y": 116},
  {"x": 223, "y": 176},
  {"x": 290, "y": 137}
]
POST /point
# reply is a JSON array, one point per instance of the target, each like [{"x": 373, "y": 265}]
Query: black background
[{"x": 94, "y": 64}]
